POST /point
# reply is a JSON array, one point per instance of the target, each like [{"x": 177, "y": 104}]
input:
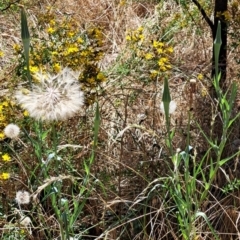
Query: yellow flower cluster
[
  {"x": 5, "y": 115},
  {"x": 154, "y": 54},
  {"x": 135, "y": 36},
  {"x": 5, "y": 158},
  {"x": 65, "y": 45},
  {"x": 5, "y": 118}
]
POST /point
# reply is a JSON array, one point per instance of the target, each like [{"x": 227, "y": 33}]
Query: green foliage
[
  {"x": 184, "y": 187},
  {"x": 7, "y": 4},
  {"x": 12, "y": 232},
  {"x": 67, "y": 207},
  {"x": 231, "y": 186}
]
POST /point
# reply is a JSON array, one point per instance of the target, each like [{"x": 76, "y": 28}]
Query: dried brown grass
[{"x": 137, "y": 156}]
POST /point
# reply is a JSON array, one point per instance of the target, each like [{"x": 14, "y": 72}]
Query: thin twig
[{"x": 204, "y": 14}]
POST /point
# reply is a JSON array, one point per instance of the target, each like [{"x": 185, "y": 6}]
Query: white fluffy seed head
[
  {"x": 11, "y": 131},
  {"x": 54, "y": 97},
  {"x": 172, "y": 107},
  {"x": 22, "y": 197},
  {"x": 25, "y": 221}
]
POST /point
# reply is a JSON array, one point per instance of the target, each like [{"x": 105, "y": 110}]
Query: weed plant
[{"x": 120, "y": 153}]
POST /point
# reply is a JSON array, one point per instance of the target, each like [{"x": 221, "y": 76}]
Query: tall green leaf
[
  {"x": 217, "y": 47},
  {"x": 26, "y": 41},
  {"x": 166, "y": 98}
]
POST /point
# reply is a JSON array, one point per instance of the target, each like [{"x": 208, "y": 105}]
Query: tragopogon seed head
[
  {"x": 25, "y": 221},
  {"x": 172, "y": 107},
  {"x": 22, "y": 197},
  {"x": 54, "y": 97},
  {"x": 11, "y": 131}
]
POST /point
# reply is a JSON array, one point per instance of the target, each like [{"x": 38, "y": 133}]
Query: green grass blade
[
  {"x": 26, "y": 41},
  {"x": 217, "y": 47},
  {"x": 96, "y": 126},
  {"x": 202, "y": 214},
  {"x": 166, "y": 98},
  {"x": 97, "y": 122}
]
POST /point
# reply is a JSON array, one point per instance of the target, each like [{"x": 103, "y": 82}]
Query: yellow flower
[
  {"x": 2, "y": 136},
  {"x": 33, "y": 69},
  {"x": 128, "y": 38},
  {"x": 157, "y": 44},
  {"x": 141, "y": 37},
  {"x": 159, "y": 50},
  {"x": 17, "y": 47},
  {"x": 169, "y": 49},
  {"x": 54, "y": 53},
  {"x": 50, "y": 30},
  {"x": 200, "y": 76},
  {"x": 84, "y": 53},
  {"x": 57, "y": 67},
  {"x": 140, "y": 29},
  {"x": 162, "y": 61},
  {"x": 163, "y": 68},
  {"x": 148, "y": 56},
  {"x": 134, "y": 38},
  {"x": 52, "y": 22},
  {"x": 1, "y": 54},
  {"x": 168, "y": 66},
  {"x": 98, "y": 33},
  {"x": 25, "y": 113},
  {"x": 72, "y": 50},
  {"x": 6, "y": 157},
  {"x": 153, "y": 73},
  {"x": 160, "y": 44},
  {"x": 101, "y": 77},
  {"x": 5, "y": 104},
  {"x": 91, "y": 80},
  {"x": 80, "y": 40},
  {"x": 70, "y": 34},
  {"x": 204, "y": 92},
  {"x": 5, "y": 176}
]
